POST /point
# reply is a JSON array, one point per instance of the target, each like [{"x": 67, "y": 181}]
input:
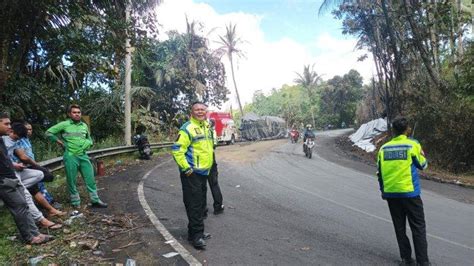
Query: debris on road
[{"x": 170, "y": 254}]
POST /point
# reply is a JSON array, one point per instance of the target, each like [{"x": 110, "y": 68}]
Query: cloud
[{"x": 266, "y": 64}]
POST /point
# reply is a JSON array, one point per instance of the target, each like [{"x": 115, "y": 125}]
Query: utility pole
[{"x": 128, "y": 80}]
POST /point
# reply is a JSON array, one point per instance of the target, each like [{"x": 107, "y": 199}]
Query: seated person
[
  {"x": 31, "y": 188},
  {"x": 29, "y": 177},
  {"x": 23, "y": 152},
  {"x": 11, "y": 193}
]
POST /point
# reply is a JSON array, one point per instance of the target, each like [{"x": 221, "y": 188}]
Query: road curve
[{"x": 285, "y": 209}]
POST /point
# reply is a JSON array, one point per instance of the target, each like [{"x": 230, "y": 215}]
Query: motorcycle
[
  {"x": 308, "y": 147},
  {"x": 144, "y": 149},
  {"x": 294, "y": 135}
]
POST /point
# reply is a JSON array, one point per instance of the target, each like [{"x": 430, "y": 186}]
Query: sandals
[
  {"x": 53, "y": 226},
  {"x": 58, "y": 214},
  {"x": 41, "y": 239}
]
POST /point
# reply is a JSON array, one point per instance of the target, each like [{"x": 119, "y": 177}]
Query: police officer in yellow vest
[
  {"x": 193, "y": 151},
  {"x": 398, "y": 162}
]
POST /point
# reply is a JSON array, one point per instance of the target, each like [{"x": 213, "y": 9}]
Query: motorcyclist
[
  {"x": 308, "y": 133},
  {"x": 294, "y": 133}
]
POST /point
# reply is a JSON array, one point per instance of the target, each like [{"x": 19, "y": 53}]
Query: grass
[{"x": 16, "y": 252}]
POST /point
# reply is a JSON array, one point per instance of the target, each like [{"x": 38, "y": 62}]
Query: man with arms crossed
[{"x": 74, "y": 137}]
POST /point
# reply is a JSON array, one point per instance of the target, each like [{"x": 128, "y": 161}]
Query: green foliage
[
  {"x": 178, "y": 71},
  {"x": 54, "y": 53},
  {"x": 331, "y": 102},
  {"x": 340, "y": 96},
  {"x": 424, "y": 70}
]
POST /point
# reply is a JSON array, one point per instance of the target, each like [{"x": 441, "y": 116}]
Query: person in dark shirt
[{"x": 11, "y": 193}]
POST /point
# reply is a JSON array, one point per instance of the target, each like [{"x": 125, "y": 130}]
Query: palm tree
[
  {"x": 309, "y": 79},
  {"x": 230, "y": 42}
]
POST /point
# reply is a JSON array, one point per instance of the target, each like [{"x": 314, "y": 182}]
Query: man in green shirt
[{"x": 74, "y": 137}]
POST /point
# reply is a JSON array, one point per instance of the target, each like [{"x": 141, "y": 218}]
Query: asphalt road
[{"x": 285, "y": 209}]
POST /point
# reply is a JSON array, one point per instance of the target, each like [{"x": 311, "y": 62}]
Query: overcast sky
[{"x": 281, "y": 36}]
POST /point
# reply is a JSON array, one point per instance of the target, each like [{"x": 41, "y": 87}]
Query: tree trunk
[
  {"x": 459, "y": 28},
  {"x": 421, "y": 49},
  {"x": 235, "y": 85},
  {"x": 433, "y": 20},
  {"x": 128, "y": 82},
  {"x": 393, "y": 44}
]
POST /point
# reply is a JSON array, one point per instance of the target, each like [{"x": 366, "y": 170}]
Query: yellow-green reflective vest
[
  {"x": 194, "y": 147},
  {"x": 398, "y": 162}
]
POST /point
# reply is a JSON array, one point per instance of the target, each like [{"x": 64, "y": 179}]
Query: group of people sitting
[
  {"x": 22, "y": 178},
  {"x": 22, "y": 183}
]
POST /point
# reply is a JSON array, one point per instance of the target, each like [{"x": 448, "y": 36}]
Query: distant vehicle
[
  {"x": 294, "y": 135},
  {"x": 144, "y": 148},
  {"x": 224, "y": 126},
  {"x": 308, "y": 147}
]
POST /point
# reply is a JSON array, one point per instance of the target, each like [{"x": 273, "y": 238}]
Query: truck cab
[{"x": 224, "y": 126}]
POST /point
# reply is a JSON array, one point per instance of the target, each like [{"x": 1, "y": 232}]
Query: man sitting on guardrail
[
  {"x": 12, "y": 193},
  {"x": 18, "y": 156},
  {"x": 24, "y": 153},
  {"x": 31, "y": 189},
  {"x": 74, "y": 137}
]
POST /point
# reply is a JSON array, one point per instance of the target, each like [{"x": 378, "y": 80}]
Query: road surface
[{"x": 285, "y": 209}]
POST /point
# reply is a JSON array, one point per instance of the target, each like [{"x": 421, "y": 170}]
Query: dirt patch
[
  {"x": 246, "y": 152},
  {"x": 432, "y": 173}
]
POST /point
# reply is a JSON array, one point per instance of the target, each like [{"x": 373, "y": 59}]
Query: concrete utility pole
[{"x": 128, "y": 81}]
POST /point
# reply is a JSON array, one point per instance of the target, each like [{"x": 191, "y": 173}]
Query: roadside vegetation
[
  {"x": 424, "y": 58},
  {"x": 55, "y": 53},
  {"x": 84, "y": 239}
]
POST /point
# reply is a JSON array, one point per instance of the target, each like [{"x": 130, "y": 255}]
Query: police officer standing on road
[
  {"x": 193, "y": 151},
  {"x": 398, "y": 161}
]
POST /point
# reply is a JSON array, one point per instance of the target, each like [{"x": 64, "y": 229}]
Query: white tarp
[{"x": 363, "y": 137}]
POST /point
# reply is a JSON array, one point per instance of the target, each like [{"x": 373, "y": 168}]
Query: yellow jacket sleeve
[
  {"x": 419, "y": 158},
  {"x": 180, "y": 149}
]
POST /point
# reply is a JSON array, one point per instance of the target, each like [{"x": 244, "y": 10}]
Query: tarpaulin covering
[
  {"x": 363, "y": 137},
  {"x": 256, "y": 127}
]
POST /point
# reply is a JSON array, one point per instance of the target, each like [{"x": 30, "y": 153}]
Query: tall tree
[
  {"x": 230, "y": 46},
  {"x": 309, "y": 80}
]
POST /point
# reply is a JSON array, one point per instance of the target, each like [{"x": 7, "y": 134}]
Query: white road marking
[{"x": 159, "y": 226}]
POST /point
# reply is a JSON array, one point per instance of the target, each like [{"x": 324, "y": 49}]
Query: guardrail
[{"x": 57, "y": 163}]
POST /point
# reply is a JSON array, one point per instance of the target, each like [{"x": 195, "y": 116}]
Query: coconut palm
[
  {"x": 309, "y": 79},
  {"x": 229, "y": 46}
]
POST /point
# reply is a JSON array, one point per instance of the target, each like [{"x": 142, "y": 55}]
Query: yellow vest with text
[
  {"x": 194, "y": 147},
  {"x": 398, "y": 162}
]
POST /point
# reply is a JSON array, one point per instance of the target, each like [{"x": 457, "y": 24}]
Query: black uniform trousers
[
  {"x": 215, "y": 189},
  {"x": 411, "y": 208},
  {"x": 194, "y": 189},
  {"x": 12, "y": 194}
]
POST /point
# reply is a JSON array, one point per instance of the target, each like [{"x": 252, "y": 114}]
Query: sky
[{"x": 280, "y": 37}]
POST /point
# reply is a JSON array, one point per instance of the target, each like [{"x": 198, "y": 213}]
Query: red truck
[{"x": 224, "y": 126}]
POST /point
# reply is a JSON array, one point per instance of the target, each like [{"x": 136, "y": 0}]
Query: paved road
[{"x": 288, "y": 210}]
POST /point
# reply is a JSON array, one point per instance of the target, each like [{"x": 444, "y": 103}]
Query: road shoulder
[{"x": 329, "y": 150}]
